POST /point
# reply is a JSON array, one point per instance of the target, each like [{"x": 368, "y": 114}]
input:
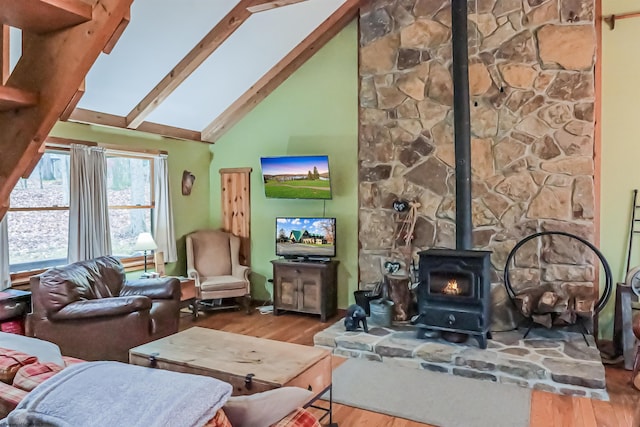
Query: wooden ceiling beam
[
  {"x": 42, "y": 16},
  {"x": 218, "y": 34},
  {"x": 5, "y": 56},
  {"x": 282, "y": 70},
  {"x": 81, "y": 115},
  {"x": 262, "y": 5},
  {"x": 52, "y": 65}
]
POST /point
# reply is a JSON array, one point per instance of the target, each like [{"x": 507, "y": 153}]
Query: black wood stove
[{"x": 454, "y": 290}]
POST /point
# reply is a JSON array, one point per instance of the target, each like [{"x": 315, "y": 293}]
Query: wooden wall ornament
[
  {"x": 236, "y": 207},
  {"x": 187, "y": 182}
]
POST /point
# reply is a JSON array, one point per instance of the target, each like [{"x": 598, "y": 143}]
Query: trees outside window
[{"x": 38, "y": 217}]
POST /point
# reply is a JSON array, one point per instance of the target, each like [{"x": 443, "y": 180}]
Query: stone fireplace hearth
[{"x": 554, "y": 360}]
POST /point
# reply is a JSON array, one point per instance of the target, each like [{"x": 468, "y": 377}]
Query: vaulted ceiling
[{"x": 192, "y": 68}]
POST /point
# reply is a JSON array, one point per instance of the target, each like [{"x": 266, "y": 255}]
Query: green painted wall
[
  {"x": 315, "y": 111},
  {"x": 190, "y": 212},
  {"x": 620, "y": 143}
]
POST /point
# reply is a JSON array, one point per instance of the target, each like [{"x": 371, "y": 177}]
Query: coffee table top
[{"x": 273, "y": 362}]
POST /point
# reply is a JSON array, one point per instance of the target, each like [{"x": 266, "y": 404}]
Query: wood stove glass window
[{"x": 451, "y": 284}]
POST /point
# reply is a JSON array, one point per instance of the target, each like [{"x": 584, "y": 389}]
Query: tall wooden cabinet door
[
  {"x": 236, "y": 207},
  {"x": 286, "y": 292},
  {"x": 310, "y": 297}
]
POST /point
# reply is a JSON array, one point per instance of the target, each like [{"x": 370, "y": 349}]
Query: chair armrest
[
  {"x": 241, "y": 271},
  {"x": 159, "y": 288},
  {"x": 116, "y": 306},
  {"x": 193, "y": 274}
]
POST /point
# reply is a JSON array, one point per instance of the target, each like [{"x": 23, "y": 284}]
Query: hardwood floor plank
[{"x": 547, "y": 409}]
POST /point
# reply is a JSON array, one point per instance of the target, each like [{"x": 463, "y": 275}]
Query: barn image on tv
[
  {"x": 305, "y": 237},
  {"x": 296, "y": 177}
]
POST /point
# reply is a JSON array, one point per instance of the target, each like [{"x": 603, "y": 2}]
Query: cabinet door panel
[
  {"x": 287, "y": 282},
  {"x": 310, "y": 299}
]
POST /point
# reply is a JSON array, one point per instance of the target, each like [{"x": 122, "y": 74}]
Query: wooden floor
[{"x": 547, "y": 410}]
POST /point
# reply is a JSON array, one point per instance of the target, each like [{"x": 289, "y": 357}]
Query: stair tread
[
  {"x": 41, "y": 16},
  {"x": 11, "y": 98}
]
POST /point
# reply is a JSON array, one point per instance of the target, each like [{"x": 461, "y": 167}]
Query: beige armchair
[{"x": 213, "y": 261}]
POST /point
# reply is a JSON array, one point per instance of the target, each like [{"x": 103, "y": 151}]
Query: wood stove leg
[{"x": 482, "y": 340}]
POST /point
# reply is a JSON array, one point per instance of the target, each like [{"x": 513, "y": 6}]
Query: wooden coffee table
[{"x": 249, "y": 364}]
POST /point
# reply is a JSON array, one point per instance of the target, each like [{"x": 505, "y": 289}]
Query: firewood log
[
  {"x": 584, "y": 306},
  {"x": 524, "y": 302},
  {"x": 547, "y": 302},
  {"x": 566, "y": 318},
  {"x": 543, "y": 319},
  {"x": 562, "y": 305}
]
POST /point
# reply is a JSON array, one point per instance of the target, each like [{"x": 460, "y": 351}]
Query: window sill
[{"x": 21, "y": 280}]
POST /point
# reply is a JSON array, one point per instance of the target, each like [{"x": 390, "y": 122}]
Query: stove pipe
[{"x": 462, "y": 123}]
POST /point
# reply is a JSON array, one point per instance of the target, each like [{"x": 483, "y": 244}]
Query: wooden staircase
[{"x": 61, "y": 39}]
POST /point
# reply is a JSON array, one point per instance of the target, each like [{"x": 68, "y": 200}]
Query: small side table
[
  {"x": 14, "y": 307},
  {"x": 188, "y": 296}
]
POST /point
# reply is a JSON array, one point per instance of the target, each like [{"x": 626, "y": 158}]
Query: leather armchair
[
  {"x": 91, "y": 311},
  {"x": 213, "y": 260}
]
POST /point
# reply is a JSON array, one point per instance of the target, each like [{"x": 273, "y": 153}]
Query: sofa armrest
[
  {"x": 116, "y": 306},
  {"x": 159, "y": 288}
]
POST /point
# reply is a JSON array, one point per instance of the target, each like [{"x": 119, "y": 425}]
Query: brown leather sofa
[{"x": 92, "y": 312}]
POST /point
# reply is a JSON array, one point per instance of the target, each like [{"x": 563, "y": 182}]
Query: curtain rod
[
  {"x": 65, "y": 143},
  {"x": 611, "y": 19}
]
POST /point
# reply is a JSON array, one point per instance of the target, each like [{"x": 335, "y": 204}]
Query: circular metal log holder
[{"x": 606, "y": 293}]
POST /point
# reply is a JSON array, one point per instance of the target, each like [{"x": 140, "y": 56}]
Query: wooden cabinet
[{"x": 305, "y": 287}]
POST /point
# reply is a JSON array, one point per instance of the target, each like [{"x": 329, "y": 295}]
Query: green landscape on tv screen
[{"x": 296, "y": 177}]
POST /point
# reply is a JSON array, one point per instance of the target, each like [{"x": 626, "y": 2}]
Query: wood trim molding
[
  {"x": 235, "y": 170},
  {"x": 117, "y": 33},
  {"x": 74, "y": 101},
  {"x": 5, "y": 57},
  {"x": 282, "y": 70},
  {"x": 104, "y": 119},
  {"x": 262, "y": 5},
  {"x": 212, "y": 41}
]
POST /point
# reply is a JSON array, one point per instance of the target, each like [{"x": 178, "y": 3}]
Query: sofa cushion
[
  {"x": 266, "y": 408},
  {"x": 11, "y": 361},
  {"x": 45, "y": 351},
  {"x": 29, "y": 376},
  {"x": 9, "y": 398},
  {"x": 298, "y": 418}
]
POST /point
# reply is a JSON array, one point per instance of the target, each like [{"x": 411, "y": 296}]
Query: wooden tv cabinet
[{"x": 305, "y": 287}]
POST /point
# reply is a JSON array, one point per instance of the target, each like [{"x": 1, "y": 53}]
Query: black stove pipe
[{"x": 462, "y": 123}]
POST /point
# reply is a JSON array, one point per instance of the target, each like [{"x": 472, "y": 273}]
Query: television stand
[{"x": 305, "y": 286}]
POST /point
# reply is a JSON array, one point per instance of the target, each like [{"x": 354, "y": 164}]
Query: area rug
[{"x": 439, "y": 399}]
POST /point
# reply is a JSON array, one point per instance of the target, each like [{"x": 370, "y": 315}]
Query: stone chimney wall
[{"x": 531, "y": 73}]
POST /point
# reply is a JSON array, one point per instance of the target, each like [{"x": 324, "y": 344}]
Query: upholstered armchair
[
  {"x": 213, "y": 260},
  {"x": 92, "y": 312}
]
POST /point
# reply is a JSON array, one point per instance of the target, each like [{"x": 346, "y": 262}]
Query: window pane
[
  {"x": 128, "y": 181},
  {"x": 125, "y": 225},
  {"x": 37, "y": 237},
  {"x": 47, "y": 186}
]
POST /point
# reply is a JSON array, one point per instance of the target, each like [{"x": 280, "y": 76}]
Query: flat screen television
[
  {"x": 307, "y": 238},
  {"x": 296, "y": 177}
]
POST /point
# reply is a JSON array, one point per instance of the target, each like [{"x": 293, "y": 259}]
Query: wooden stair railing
[{"x": 61, "y": 39}]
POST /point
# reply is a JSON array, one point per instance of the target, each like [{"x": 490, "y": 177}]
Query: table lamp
[{"x": 145, "y": 243}]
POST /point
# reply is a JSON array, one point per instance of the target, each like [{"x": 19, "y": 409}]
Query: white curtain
[
  {"x": 89, "y": 234},
  {"x": 163, "y": 231},
  {"x": 5, "y": 277}
]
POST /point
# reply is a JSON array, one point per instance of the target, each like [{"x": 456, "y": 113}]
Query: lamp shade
[{"x": 145, "y": 242}]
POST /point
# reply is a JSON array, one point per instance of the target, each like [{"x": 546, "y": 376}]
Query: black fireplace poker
[{"x": 462, "y": 123}]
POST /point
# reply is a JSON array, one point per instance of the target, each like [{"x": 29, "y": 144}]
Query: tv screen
[
  {"x": 296, "y": 177},
  {"x": 305, "y": 237}
]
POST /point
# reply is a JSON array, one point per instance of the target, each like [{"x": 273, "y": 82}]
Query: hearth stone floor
[{"x": 552, "y": 360}]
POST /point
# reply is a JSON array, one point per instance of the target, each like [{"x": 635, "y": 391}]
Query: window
[
  {"x": 129, "y": 191},
  {"x": 38, "y": 217}
]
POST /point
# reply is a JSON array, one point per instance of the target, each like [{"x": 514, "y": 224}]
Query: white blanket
[{"x": 117, "y": 394}]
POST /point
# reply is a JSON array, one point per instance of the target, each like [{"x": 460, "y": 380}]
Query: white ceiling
[{"x": 162, "y": 32}]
